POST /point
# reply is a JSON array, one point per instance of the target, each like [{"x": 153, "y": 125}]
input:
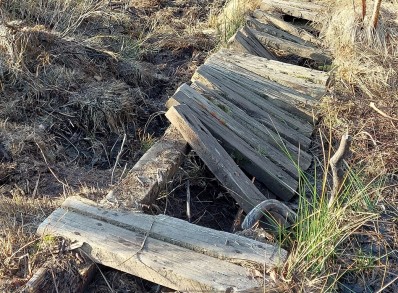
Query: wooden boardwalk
[{"x": 245, "y": 112}]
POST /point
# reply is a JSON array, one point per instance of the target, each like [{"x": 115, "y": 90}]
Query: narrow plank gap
[
  {"x": 215, "y": 157},
  {"x": 300, "y": 9}
]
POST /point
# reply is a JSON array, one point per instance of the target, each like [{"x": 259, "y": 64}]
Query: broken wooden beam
[
  {"x": 300, "y": 50},
  {"x": 244, "y": 41},
  {"x": 151, "y": 173},
  {"x": 285, "y": 26},
  {"x": 215, "y": 157},
  {"x": 305, "y": 80},
  {"x": 299, "y": 9},
  {"x": 162, "y": 249}
]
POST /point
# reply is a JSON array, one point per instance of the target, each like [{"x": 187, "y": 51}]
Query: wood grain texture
[
  {"x": 148, "y": 258},
  {"x": 300, "y": 9},
  {"x": 152, "y": 172},
  {"x": 217, "y": 244},
  {"x": 215, "y": 157}
]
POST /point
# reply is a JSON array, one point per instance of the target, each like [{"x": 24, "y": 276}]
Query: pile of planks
[{"x": 244, "y": 113}]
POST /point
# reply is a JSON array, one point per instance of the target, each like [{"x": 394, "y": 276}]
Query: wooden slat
[
  {"x": 218, "y": 244},
  {"x": 272, "y": 30},
  {"x": 305, "y": 80},
  {"x": 152, "y": 172},
  {"x": 276, "y": 100},
  {"x": 244, "y": 41},
  {"x": 293, "y": 48},
  {"x": 300, "y": 9},
  {"x": 257, "y": 157},
  {"x": 215, "y": 157},
  {"x": 148, "y": 258},
  {"x": 264, "y": 131},
  {"x": 287, "y": 27},
  {"x": 263, "y": 140}
]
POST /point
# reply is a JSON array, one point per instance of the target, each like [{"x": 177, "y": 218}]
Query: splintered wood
[{"x": 164, "y": 250}]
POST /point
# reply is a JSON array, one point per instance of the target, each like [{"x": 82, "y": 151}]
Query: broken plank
[
  {"x": 218, "y": 244},
  {"x": 293, "y": 48},
  {"x": 215, "y": 157},
  {"x": 305, "y": 80},
  {"x": 152, "y": 172},
  {"x": 259, "y": 160},
  {"x": 252, "y": 121},
  {"x": 287, "y": 27},
  {"x": 244, "y": 41},
  {"x": 291, "y": 107},
  {"x": 305, "y": 10},
  {"x": 145, "y": 257}
]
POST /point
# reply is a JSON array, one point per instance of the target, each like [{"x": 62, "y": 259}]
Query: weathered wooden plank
[
  {"x": 272, "y": 30},
  {"x": 305, "y": 10},
  {"x": 148, "y": 258},
  {"x": 264, "y": 141},
  {"x": 305, "y": 80},
  {"x": 152, "y": 172},
  {"x": 276, "y": 100},
  {"x": 243, "y": 42},
  {"x": 218, "y": 244},
  {"x": 287, "y": 27},
  {"x": 257, "y": 157},
  {"x": 297, "y": 49},
  {"x": 215, "y": 157},
  {"x": 285, "y": 133}
]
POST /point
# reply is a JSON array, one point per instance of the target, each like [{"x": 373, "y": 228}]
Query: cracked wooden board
[{"x": 162, "y": 249}]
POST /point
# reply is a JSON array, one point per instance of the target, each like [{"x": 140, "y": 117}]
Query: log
[
  {"x": 262, "y": 130},
  {"x": 215, "y": 157},
  {"x": 299, "y": 9},
  {"x": 291, "y": 107},
  {"x": 304, "y": 80},
  {"x": 293, "y": 48},
  {"x": 244, "y": 41},
  {"x": 285, "y": 26},
  {"x": 152, "y": 172},
  {"x": 162, "y": 249},
  {"x": 256, "y": 156}
]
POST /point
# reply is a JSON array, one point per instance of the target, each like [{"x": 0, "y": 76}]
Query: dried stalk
[
  {"x": 376, "y": 13},
  {"x": 363, "y": 9},
  {"x": 337, "y": 166}
]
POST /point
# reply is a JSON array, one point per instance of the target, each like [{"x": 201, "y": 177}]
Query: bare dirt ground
[{"x": 75, "y": 77}]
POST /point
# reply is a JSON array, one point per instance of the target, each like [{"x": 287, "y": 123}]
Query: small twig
[
  {"x": 337, "y": 166},
  {"x": 188, "y": 201},
  {"x": 373, "y": 106},
  {"x": 49, "y": 168},
  {"x": 375, "y": 15},
  {"x": 118, "y": 157}
]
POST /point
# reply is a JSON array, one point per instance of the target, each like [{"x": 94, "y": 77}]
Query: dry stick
[
  {"x": 373, "y": 106},
  {"x": 188, "y": 201},
  {"x": 363, "y": 9},
  {"x": 337, "y": 166},
  {"x": 118, "y": 157},
  {"x": 376, "y": 12}
]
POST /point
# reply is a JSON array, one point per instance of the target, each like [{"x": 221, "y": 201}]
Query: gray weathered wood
[
  {"x": 272, "y": 30},
  {"x": 215, "y": 157},
  {"x": 300, "y": 9},
  {"x": 218, "y": 244},
  {"x": 287, "y": 27},
  {"x": 152, "y": 172},
  {"x": 305, "y": 80},
  {"x": 260, "y": 159},
  {"x": 262, "y": 130},
  {"x": 244, "y": 41},
  {"x": 276, "y": 100},
  {"x": 141, "y": 255},
  {"x": 293, "y": 48}
]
